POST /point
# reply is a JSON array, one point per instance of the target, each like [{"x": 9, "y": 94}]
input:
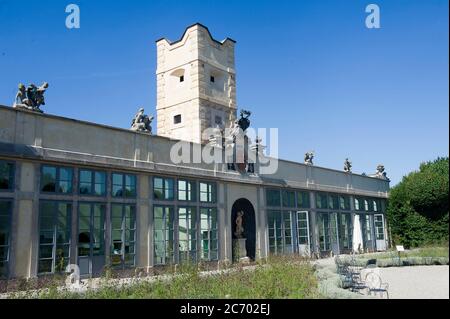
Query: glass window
[
  {"x": 208, "y": 234},
  {"x": 123, "y": 185},
  {"x": 379, "y": 227},
  {"x": 359, "y": 204},
  {"x": 303, "y": 228},
  {"x": 187, "y": 191},
  {"x": 303, "y": 200},
  {"x": 163, "y": 234},
  {"x": 366, "y": 231},
  {"x": 123, "y": 235},
  {"x": 288, "y": 199},
  {"x": 207, "y": 192},
  {"x": 345, "y": 231},
  {"x": 187, "y": 234},
  {"x": 5, "y": 232},
  {"x": 324, "y": 231},
  {"x": 54, "y": 236},
  {"x": 366, "y": 205},
  {"x": 321, "y": 200},
  {"x": 280, "y": 232},
  {"x": 163, "y": 188},
  {"x": 6, "y": 176},
  {"x": 344, "y": 202},
  {"x": 91, "y": 229},
  {"x": 273, "y": 197},
  {"x": 56, "y": 179},
  {"x": 333, "y": 202},
  {"x": 92, "y": 183}
]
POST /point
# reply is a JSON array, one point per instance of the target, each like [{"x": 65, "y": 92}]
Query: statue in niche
[
  {"x": 309, "y": 156},
  {"x": 347, "y": 166},
  {"x": 142, "y": 122},
  {"x": 239, "y": 233},
  {"x": 31, "y": 98}
]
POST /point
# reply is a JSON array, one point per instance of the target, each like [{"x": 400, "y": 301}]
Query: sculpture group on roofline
[
  {"x": 31, "y": 97},
  {"x": 142, "y": 122}
]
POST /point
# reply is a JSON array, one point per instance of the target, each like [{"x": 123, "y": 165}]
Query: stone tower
[{"x": 196, "y": 85}]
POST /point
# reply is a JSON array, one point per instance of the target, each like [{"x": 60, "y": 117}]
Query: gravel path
[{"x": 417, "y": 282}]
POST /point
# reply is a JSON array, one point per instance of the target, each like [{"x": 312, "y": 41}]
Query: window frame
[
  {"x": 124, "y": 176},
  {"x": 55, "y": 230},
  {"x": 193, "y": 190},
  {"x": 210, "y": 230},
  {"x": 279, "y": 202},
  {"x": 211, "y": 195},
  {"x": 168, "y": 228},
  {"x": 57, "y": 180},
  {"x": 11, "y": 177},
  {"x": 191, "y": 214},
  {"x": 92, "y": 228},
  {"x": 9, "y": 216},
  {"x": 123, "y": 255},
  {"x": 93, "y": 182},
  {"x": 174, "y": 191}
]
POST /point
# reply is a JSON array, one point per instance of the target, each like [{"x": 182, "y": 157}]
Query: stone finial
[
  {"x": 142, "y": 122},
  {"x": 30, "y": 98},
  {"x": 347, "y": 166},
  {"x": 309, "y": 156},
  {"x": 380, "y": 173}
]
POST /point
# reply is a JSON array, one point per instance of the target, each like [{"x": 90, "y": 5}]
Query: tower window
[
  {"x": 177, "y": 119},
  {"x": 212, "y": 79},
  {"x": 218, "y": 120},
  {"x": 182, "y": 78}
]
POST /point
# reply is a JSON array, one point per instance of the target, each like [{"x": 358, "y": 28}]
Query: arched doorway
[{"x": 248, "y": 223}]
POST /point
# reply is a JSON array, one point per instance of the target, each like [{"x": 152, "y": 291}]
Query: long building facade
[{"x": 74, "y": 192}]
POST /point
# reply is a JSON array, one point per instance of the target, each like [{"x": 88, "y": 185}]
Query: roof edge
[{"x": 193, "y": 25}]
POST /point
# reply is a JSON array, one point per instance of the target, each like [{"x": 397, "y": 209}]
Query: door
[
  {"x": 328, "y": 233},
  {"x": 91, "y": 239},
  {"x": 303, "y": 234},
  {"x": 380, "y": 233}
]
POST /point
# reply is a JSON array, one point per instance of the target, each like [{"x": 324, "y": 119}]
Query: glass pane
[
  {"x": 130, "y": 185},
  {"x": 48, "y": 183},
  {"x": 117, "y": 179},
  {"x": 157, "y": 183},
  {"x": 45, "y": 266},
  {"x": 6, "y": 175},
  {"x": 46, "y": 251},
  {"x": 85, "y": 176}
]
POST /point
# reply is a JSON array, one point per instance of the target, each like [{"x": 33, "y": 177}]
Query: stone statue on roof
[
  {"x": 142, "y": 122},
  {"x": 30, "y": 98},
  {"x": 309, "y": 156}
]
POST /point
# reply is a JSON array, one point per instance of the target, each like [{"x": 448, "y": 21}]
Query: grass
[{"x": 278, "y": 278}]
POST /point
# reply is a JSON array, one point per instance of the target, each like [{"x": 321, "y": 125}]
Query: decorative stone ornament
[
  {"x": 347, "y": 166},
  {"x": 142, "y": 122},
  {"x": 309, "y": 156},
  {"x": 30, "y": 98}
]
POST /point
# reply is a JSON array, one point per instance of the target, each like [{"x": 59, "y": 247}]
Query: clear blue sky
[{"x": 310, "y": 68}]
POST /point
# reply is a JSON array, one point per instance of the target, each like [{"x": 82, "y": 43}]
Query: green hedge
[{"x": 418, "y": 211}]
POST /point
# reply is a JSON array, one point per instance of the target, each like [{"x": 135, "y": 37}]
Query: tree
[{"x": 418, "y": 211}]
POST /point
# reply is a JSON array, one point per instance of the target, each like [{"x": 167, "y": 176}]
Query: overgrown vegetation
[
  {"x": 280, "y": 277},
  {"x": 418, "y": 212}
]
